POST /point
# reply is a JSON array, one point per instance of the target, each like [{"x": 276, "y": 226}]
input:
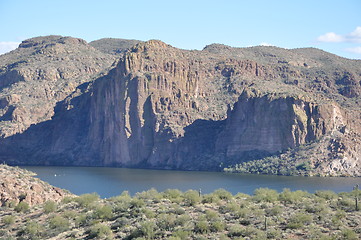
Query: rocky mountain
[{"x": 148, "y": 104}]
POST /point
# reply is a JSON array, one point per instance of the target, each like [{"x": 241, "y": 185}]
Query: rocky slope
[
  {"x": 18, "y": 185},
  {"x": 162, "y": 107}
]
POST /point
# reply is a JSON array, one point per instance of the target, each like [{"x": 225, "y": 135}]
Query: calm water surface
[{"x": 109, "y": 182}]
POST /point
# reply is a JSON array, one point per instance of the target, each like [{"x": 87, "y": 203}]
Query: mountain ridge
[{"x": 153, "y": 105}]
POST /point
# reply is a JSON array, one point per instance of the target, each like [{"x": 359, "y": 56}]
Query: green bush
[
  {"x": 326, "y": 194},
  {"x": 201, "y": 227},
  {"x": 104, "y": 212},
  {"x": 265, "y": 195},
  {"x": 22, "y": 207},
  {"x": 192, "y": 197},
  {"x": 100, "y": 231},
  {"x": 82, "y": 220},
  {"x": 173, "y": 195},
  {"x": 275, "y": 211},
  {"x": 181, "y": 234},
  {"x": 49, "y": 207},
  {"x": 211, "y": 215},
  {"x": 147, "y": 229},
  {"x": 137, "y": 203},
  {"x": 8, "y": 220},
  {"x": 32, "y": 230},
  {"x": 217, "y": 226},
  {"x": 86, "y": 200},
  {"x": 59, "y": 223},
  {"x": 210, "y": 198},
  {"x": 292, "y": 197},
  {"x": 231, "y": 207},
  {"x": 182, "y": 220},
  {"x": 347, "y": 234},
  {"x": 166, "y": 221},
  {"x": 298, "y": 220},
  {"x": 151, "y": 194},
  {"x": 235, "y": 231},
  {"x": 70, "y": 214},
  {"x": 223, "y": 194}
]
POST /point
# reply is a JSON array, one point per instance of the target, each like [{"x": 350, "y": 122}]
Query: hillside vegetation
[{"x": 173, "y": 214}]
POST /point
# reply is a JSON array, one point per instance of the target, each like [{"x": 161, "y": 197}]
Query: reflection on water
[{"x": 109, "y": 182}]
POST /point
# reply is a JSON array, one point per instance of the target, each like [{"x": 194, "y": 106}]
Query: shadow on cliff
[{"x": 52, "y": 142}]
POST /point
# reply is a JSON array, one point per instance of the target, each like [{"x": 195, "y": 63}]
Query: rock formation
[
  {"x": 18, "y": 184},
  {"x": 162, "y": 107}
]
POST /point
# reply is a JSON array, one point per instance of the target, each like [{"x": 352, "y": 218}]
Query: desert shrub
[
  {"x": 235, "y": 231},
  {"x": 86, "y": 200},
  {"x": 67, "y": 199},
  {"x": 182, "y": 220},
  {"x": 176, "y": 209},
  {"x": 103, "y": 212},
  {"x": 346, "y": 203},
  {"x": 22, "y": 207},
  {"x": 191, "y": 197},
  {"x": 151, "y": 194},
  {"x": 287, "y": 196},
  {"x": 147, "y": 229},
  {"x": 242, "y": 212},
  {"x": 274, "y": 234},
  {"x": 275, "y": 211},
  {"x": 49, "y": 206},
  {"x": 70, "y": 214},
  {"x": 210, "y": 198},
  {"x": 181, "y": 234},
  {"x": 122, "y": 202},
  {"x": 148, "y": 213},
  {"x": 166, "y": 221},
  {"x": 230, "y": 207},
  {"x": 217, "y": 226},
  {"x": 326, "y": 194},
  {"x": 100, "y": 231},
  {"x": 119, "y": 223},
  {"x": 298, "y": 220},
  {"x": 82, "y": 220},
  {"x": 59, "y": 223},
  {"x": 223, "y": 194},
  {"x": 173, "y": 195},
  {"x": 347, "y": 234},
  {"x": 317, "y": 207},
  {"x": 211, "y": 215},
  {"x": 124, "y": 196},
  {"x": 242, "y": 196},
  {"x": 10, "y": 204},
  {"x": 201, "y": 227},
  {"x": 32, "y": 230},
  {"x": 136, "y": 203},
  {"x": 8, "y": 220},
  {"x": 253, "y": 233},
  {"x": 265, "y": 195}
]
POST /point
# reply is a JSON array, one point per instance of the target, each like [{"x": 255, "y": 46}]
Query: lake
[{"x": 108, "y": 182}]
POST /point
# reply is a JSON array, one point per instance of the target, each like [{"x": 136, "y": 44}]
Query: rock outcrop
[
  {"x": 162, "y": 107},
  {"x": 18, "y": 185}
]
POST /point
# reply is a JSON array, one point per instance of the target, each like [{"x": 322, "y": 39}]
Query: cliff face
[{"x": 162, "y": 107}]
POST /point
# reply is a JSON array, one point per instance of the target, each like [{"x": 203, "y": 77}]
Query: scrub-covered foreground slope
[
  {"x": 176, "y": 215},
  {"x": 115, "y": 102}
]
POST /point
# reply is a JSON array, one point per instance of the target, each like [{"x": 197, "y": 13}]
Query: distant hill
[
  {"x": 113, "y": 45},
  {"x": 128, "y": 103}
]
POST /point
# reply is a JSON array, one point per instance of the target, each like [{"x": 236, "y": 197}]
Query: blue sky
[{"x": 334, "y": 26}]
